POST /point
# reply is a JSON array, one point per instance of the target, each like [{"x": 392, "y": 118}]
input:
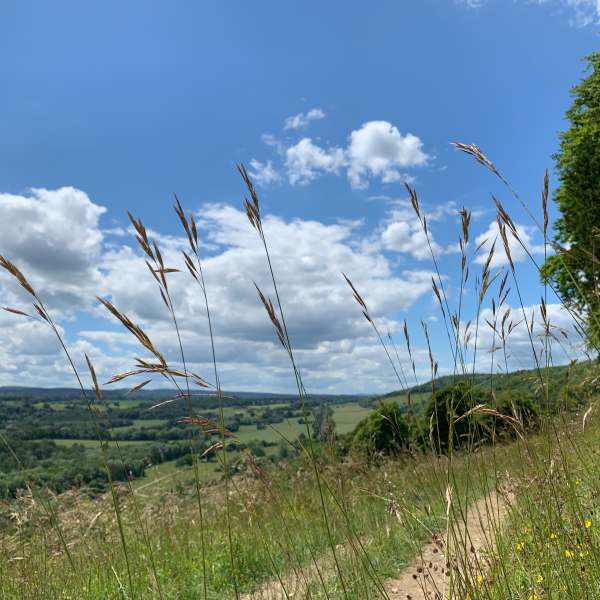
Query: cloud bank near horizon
[{"x": 57, "y": 238}]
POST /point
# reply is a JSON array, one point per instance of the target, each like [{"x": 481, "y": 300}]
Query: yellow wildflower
[
  {"x": 587, "y": 523},
  {"x": 520, "y": 546},
  {"x": 568, "y": 554},
  {"x": 532, "y": 597},
  {"x": 552, "y": 536},
  {"x": 539, "y": 579},
  {"x": 479, "y": 579}
]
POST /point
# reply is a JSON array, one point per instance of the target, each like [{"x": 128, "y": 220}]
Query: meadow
[{"x": 466, "y": 486}]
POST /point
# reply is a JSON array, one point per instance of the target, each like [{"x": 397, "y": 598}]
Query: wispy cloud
[
  {"x": 263, "y": 173},
  {"x": 302, "y": 120},
  {"x": 580, "y": 13}
]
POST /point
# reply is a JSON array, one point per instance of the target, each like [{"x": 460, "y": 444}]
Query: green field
[
  {"x": 167, "y": 475},
  {"x": 347, "y": 416},
  {"x": 139, "y": 424},
  {"x": 95, "y": 445}
]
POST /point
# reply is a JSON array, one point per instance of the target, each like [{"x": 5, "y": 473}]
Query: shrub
[
  {"x": 384, "y": 431},
  {"x": 519, "y": 406},
  {"x": 450, "y": 405}
]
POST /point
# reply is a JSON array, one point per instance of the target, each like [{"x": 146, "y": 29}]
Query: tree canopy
[{"x": 574, "y": 270}]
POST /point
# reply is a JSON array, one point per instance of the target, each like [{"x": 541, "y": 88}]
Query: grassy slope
[{"x": 391, "y": 509}]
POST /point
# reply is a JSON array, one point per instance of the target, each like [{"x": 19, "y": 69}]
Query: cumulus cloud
[
  {"x": 376, "y": 150},
  {"x": 565, "y": 343},
  {"x": 55, "y": 236},
  {"x": 334, "y": 342},
  {"x": 402, "y": 231},
  {"x": 307, "y": 256},
  {"x": 326, "y": 327},
  {"x": 517, "y": 252},
  {"x": 407, "y": 237},
  {"x": 302, "y": 120},
  {"x": 305, "y": 161}
]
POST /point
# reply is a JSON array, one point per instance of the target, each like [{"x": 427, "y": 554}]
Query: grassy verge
[{"x": 389, "y": 509}]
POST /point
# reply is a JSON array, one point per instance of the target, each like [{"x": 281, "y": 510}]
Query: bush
[
  {"x": 450, "y": 405},
  {"x": 384, "y": 431},
  {"x": 519, "y": 406}
]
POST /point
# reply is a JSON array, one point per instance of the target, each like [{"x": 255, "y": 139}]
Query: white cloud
[
  {"x": 565, "y": 342},
  {"x": 376, "y": 150},
  {"x": 402, "y": 236},
  {"x": 302, "y": 120},
  {"x": 334, "y": 343},
  {"x": 325, "y": 324},
  {"x": 471, "y": 3},
  {"x": 55, "y": 236},
  {"x": 517, "y": 252},
  {"x": 263, "y": 173},
  {"x": 580, "y": 13},
  {"x": 305, "y": 161},
  {"x": 403, "y": 232}
]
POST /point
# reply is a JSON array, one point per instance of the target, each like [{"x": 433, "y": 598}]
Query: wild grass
[{"x": 326, "y": 525}]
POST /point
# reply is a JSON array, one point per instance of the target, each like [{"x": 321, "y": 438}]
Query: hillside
[{"x": 527, "y": 381}]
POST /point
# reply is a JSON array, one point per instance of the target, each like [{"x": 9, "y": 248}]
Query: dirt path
[{"x": 426, "y": 578}]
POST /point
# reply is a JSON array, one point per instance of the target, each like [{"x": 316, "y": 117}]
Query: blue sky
[{"x": 113, "y": 106}]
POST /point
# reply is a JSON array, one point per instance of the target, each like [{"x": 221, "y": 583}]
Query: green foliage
[
  {"x": 447, "y": 416},
  {"x": 519, "y": 406},
  {"x": 384, "y": 431},
  {"x": 574, "y": 272}
]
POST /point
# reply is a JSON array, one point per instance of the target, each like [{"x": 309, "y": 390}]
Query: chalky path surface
[{"x": 427, "y": 577}]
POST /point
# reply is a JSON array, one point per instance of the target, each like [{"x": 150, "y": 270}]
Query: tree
[
  {"x": 575, "y": 270},
  {"x": 384, "y": 431},
  {"x": 448, "y": 415},
  {"x": 323, "y": 427},
  {"x": 519, "y": 412}
]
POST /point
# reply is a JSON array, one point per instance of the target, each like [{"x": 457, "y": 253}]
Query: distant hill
[
  {"x": 232, "y": 398},
  {"x": 525, "y": 380}
]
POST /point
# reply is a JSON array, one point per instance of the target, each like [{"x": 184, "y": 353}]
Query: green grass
[
  {"x": 126, "y": 403},
  {"x": 550, "y": 545},
  {"x": 391, "y": 508},
  {"x": 168, "y": 477},
  {"x": 413, "y": 490},
  {"x": 347, "y": 416},
  {"x": 271, "y": 433}
]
